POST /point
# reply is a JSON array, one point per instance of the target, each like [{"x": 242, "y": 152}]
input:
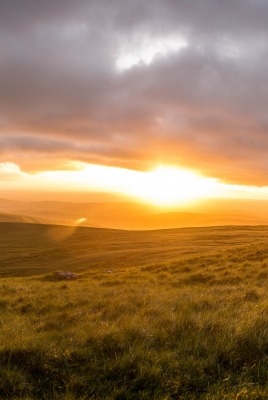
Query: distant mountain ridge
[{"x": 124, "y": 215}]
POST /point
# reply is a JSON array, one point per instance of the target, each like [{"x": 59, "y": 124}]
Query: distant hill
[
  {"x": 5, "y": 217},
  {"x": 178, "y": 220},
  {"x": 131, "y": 215},
  {"x": 9, "y": 217}
]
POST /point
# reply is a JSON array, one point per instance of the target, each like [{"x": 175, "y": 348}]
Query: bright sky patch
[{"x": 143, "y": 50}]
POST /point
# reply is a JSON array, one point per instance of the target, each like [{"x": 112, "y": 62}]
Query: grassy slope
[
  {"x": 31, "y": 249},
  {"x": 183, "y": 315}
]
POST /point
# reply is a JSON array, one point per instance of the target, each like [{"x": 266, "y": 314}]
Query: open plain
[{"x": 167, "y": 314}]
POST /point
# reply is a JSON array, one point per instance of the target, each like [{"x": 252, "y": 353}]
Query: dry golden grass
[{"x": 182, "y": 315}]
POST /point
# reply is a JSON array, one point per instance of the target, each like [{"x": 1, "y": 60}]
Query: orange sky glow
[
  {"x": 160, "y": 102},
  {"x": 164, "y": 185}
]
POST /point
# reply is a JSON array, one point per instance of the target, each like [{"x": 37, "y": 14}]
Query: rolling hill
[
  {"x": 162, "y": 314},
  {"x": 124, "y": 215},
  {"x": 27, "y": 249}
]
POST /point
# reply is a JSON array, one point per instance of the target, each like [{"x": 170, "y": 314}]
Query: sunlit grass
[{"x": 195, "y": 327}]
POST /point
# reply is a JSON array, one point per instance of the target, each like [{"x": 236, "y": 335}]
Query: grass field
[{"x": 171, "y": 314}]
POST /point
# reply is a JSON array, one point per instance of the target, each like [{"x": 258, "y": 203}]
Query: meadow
[{"x": 167, "y": 314}]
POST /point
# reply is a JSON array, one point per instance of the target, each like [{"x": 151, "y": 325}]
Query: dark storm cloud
[{"x": 204, "y": 106}]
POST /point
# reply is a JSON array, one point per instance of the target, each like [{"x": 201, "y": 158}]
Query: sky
[{"x": 131, "y": 85}]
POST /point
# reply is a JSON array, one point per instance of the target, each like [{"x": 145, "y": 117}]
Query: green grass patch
[{"x": 194, "y": 326}]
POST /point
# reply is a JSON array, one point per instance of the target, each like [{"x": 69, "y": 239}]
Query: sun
[
  {"x": 164, "y": 186},
  {"x": 170, "y": 186}
]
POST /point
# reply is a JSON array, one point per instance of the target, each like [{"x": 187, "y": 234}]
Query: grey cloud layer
[{"x": 204, "y": 106}]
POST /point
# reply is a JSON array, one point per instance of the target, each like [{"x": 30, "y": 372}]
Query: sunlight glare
[
  {"x": 169, "y": 186},
  {"x": 80, "y": 221},
  {"x": 162, "y": 186}
]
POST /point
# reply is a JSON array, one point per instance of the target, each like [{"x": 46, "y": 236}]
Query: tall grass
[{"x": 195, "y": 328}]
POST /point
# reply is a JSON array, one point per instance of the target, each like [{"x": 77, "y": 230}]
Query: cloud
[
  {"x": 9, "y": 171},
  {"x": 202, "y": 105}
]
